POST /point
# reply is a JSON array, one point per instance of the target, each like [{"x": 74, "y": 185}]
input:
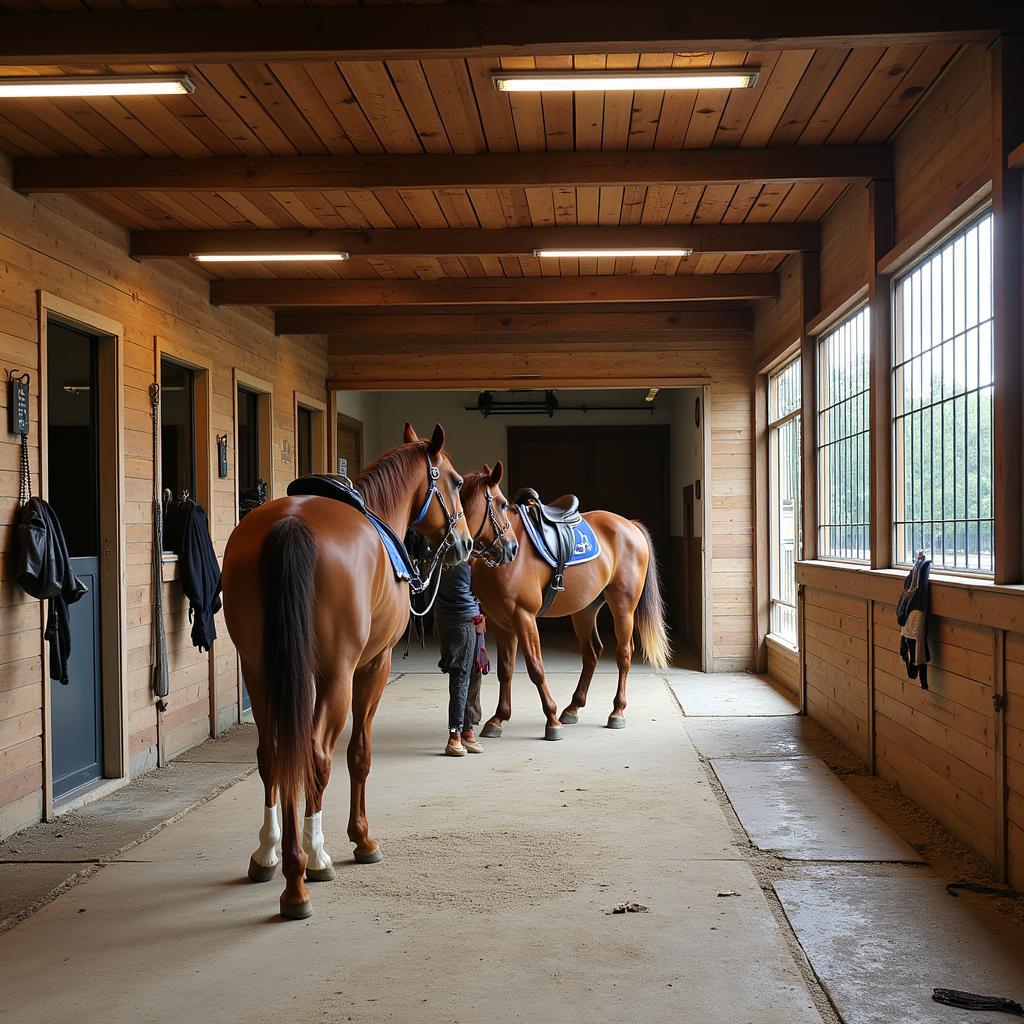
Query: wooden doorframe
[
  {"x": 192, "y": 358},
  {"x": 321, "y": 454},
  {"x": 113, "y": 557},
  {"x": 336, "y": 416},
  {"x": 265, "y": 389},
  {"x": 707, "y": 617}
]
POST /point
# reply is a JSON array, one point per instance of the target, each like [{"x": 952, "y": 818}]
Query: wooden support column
[
  {"x": 881, "y": 238},
  {"x": 1001, "y": 853},
  {"x": 1007, "y": 57},
  {"x": 809, "y": 304},
  {"x": 762, "y": 617}
]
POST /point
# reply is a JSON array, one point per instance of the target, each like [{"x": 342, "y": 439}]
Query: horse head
[
  {"x": 487, "y": 515},
  {"x": 441, "y": 516}
]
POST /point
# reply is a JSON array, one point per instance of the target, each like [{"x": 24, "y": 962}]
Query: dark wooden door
[
  {"x": 620, "y": 469},
  {"x": 76, "y": 709}
]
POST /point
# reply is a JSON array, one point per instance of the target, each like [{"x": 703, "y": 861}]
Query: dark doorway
[
  {"x": 622, "y": 469},
  {"x": 76, "y": 710}
]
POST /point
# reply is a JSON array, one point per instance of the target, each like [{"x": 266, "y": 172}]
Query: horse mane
[
  {"x": 386, "y": 480},
  {"x": 472, "y": 482}
]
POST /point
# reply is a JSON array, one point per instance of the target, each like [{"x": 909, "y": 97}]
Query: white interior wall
[{"x": 474, "y": 439}]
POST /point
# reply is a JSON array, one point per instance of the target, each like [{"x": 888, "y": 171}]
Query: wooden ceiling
[{"x": 385, "y": 120}]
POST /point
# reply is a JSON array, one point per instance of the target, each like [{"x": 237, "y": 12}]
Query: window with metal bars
[
  {"x": 843, "y": 449},
  {"x": 784, "y": 497},
  {"x": 942, "y": 399}
]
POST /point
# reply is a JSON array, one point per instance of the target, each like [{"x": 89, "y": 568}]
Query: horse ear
[
  {"x": 487, "y": 470},
  {"x": 436, "y": 440},
  {"x": 497, "y": 473},
  {"x": 410, "y": 434}
]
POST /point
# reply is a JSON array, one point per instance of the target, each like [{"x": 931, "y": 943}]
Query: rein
[
  {"x": 489, "y": 554},
  {"x": 433, "y": 473}
]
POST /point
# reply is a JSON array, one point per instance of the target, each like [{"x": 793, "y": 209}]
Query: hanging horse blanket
[
  {"x": 912, "y": 616},
  {"x": 340, "y": 488}
]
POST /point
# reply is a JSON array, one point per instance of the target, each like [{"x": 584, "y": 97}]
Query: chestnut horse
[
  {"x": 314, "y": 609},
  {"x": 624, "y": 576}
]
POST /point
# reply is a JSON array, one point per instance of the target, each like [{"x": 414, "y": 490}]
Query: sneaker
[
  {"x": 471, "y": 743},
  {"x": 455, "y": 747}
]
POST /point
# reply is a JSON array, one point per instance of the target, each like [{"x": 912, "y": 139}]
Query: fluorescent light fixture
[
  {"x": 583, "y": 253},
  {"x": 269, "y": 257},
  {"x": 96, "y": 85},
  {"x": 608, "y": 81}
]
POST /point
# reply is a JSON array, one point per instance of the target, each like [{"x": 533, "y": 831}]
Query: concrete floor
[{"x": 492, "y": 901}]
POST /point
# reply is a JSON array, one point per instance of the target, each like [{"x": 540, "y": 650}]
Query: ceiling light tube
[
  {"x": 608, "y": 81},
  {"x": 269, "y": 257},
  {"x": 95, "y": 85},
  {"x": 584, "y": 253}
]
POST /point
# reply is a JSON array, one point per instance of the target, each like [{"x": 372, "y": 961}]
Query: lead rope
[{"x": 25, "y": 484}]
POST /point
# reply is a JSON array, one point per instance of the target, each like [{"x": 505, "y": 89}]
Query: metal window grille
[
  {"x": 843, "y": 441},
  {"x": 784, "y": 496},
  {"x": 942, "y": 393}
]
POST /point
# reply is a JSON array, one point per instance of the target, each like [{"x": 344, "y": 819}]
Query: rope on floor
[{"x": 970, "y": 1001}]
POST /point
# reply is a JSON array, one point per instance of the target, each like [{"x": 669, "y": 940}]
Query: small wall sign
[
  {"x": 17, "y": 403},
  {"x": 222, "y": 455}
]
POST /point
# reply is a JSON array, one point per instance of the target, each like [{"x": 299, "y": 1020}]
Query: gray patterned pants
[{"x": 458, "y": 659}]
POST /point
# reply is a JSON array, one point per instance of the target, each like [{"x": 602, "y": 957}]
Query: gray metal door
[{"x": 76, "y": 709}]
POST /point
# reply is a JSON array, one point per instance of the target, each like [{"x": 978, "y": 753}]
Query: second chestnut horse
[{"x": 624, "y": 576}]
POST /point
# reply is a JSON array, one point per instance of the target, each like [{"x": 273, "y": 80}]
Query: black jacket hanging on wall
[
  {"x": 200, "y": 575},
  {"x": 912, "y": 616},
  {"x": 44, "y": 572}
]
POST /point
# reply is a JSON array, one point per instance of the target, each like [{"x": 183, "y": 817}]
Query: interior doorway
[{"x": 82, "y": 474}]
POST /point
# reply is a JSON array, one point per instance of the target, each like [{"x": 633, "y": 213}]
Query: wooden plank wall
[
  {"x": 784, "y": 666},
  {"x": 726, "y": 362},
  {"x": 65, "y": 249},
  {"x": 949, "y": 748}
]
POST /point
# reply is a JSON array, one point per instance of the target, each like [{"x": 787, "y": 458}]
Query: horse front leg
[
  {"x": 623, "y": 614},
  {"x": 508, "y": 645},
  {"x": 529, "y": 639},
  {"x": 584, "y": 624},
  {"x": 367, "y": 688}
]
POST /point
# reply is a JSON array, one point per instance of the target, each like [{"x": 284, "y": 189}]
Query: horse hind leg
[
  {"x": 334, "y": 698},
  {"x": 266, "y": 859},
  {"x": 584, "y": 624},
  {"x": 508, "y": 646},
  {"x": 622, "y": 614}
]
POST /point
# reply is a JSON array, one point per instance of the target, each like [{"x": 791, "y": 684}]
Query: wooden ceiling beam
[
  {"x": 472, "y": 30},
  {"x": 511, "y": 291},
  {"x": 719, "y": 238},
  {"x": 442, "y": 170},
  {"x": 408, "y": 326}
]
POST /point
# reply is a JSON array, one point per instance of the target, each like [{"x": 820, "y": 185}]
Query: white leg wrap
[
  {"x": 313, "y": 843},
  {"x": 270, "y": 838}
]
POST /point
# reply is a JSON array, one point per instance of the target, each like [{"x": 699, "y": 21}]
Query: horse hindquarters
[{"x": 288, "y": 571}]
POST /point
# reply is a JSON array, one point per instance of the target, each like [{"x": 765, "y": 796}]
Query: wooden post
[
  {"x": 1001, "y": 806},
  {"x": 761, "y": 545},
  {"x": 881, "y": 238},
  {"x": 1007, "y": 58},
  {"x": 809, "y": 304}
]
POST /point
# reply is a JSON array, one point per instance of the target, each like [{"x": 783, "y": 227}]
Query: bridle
[
  {"x": 490, "y": 554},
  {"x": 453, "y": 519}
]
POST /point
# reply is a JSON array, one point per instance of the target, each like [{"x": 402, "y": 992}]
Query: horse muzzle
[
  {"x": 460, "y": 549},
  {"x": 509, "y": 550}
]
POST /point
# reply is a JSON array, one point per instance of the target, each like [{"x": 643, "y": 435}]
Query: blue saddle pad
[
  {"x": 585, "y": 543},
  {"x": 338, "y": 488}
]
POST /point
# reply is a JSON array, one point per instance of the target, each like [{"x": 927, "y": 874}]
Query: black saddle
[
  {"x": 329, "y": 485},
  {"x": 553, "y": 524}
]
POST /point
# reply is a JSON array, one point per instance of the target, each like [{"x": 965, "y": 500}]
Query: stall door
[{"x": 76, "y": 709}]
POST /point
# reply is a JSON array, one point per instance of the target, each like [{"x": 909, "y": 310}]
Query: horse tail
[
  {"x": 288, "y": 574},
  {"x": 650, "y": 612}
]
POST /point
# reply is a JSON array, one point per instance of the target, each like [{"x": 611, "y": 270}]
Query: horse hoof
[
  {"x": 260, "y": 872},
  {"x": 296, "y": 911},
  {"x": 369, "y": 858},
  {"x": 616, "y": 722},
  {"x": 568, "y": 718},
  {"x": 554, "y": 732},
  {"x": 327, "y": 874},
  {"x": 490, "y": 732}
]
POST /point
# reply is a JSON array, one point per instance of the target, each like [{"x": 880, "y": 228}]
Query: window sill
[
  {"x": 972, "y": 599},
  {"x": 782, "y": 644}
]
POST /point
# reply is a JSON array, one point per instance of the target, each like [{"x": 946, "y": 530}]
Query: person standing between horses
[{"x": 460, "y": 630}]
